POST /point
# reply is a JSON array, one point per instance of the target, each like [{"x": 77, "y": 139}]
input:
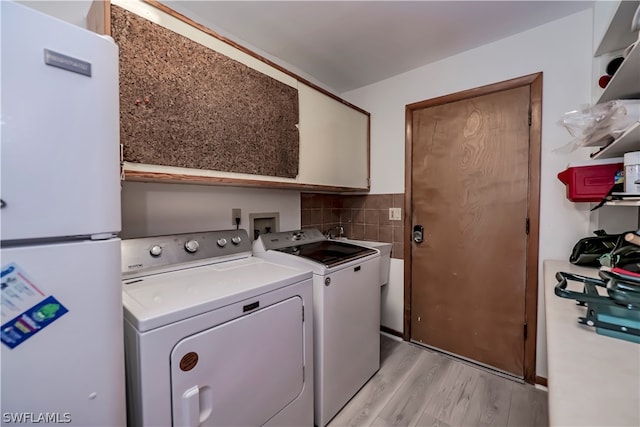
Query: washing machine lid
[
  {"x": 329, "y": 253},
  {"x": 157, "y": 300},
  {"x": 310, "y": 247}
]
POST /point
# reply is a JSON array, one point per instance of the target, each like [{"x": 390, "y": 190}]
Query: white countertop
[{"x": 594, "y": 380}]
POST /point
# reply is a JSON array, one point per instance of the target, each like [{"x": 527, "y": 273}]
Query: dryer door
[{"x": 242, "y": 372}]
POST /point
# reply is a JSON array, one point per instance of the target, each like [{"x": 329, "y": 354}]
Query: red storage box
[{"x": 590, "y": 182}]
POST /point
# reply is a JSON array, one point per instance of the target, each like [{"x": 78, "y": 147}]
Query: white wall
[
  {"x": 562, "y": 50},
  {"x": 74, "y": 12},
  {"x": 392, "y": 297},
  {"x": 150, "y": 209},
  {"x": 180, "y": 7}
]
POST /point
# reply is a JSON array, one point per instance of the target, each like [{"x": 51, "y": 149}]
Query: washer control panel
[
  {"x": 284, "y": 239},
  {"x": 141, "y": 255}
]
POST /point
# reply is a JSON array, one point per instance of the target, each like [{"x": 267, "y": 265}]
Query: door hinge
[
  {"x": 529, "y": 115},
  {"x": 526, "y": 226},
  {"x": 525, "y": 330}
]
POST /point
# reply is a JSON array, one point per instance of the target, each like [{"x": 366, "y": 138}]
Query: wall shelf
[
  {"x": 625, "y": 82},
  {"x": 623, "y": 203},
  {"x": 618, "y": 35},
  {"x": 629, "y": 199},
  {"x": 628, "y": 141}
]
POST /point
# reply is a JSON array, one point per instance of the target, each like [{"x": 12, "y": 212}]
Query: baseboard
[
  {"x": 391, "y": 331},
  {"x": 541, "y": 381}
]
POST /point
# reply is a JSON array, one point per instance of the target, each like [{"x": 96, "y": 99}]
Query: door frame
[{"x": 533, "y": 208}]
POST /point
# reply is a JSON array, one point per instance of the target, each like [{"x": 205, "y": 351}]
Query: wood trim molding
[
  {"x": 368, "y": 152},
  {"x": 391, "y": 331},
  {"x": 534, "y": 81},
  {"x": 478, "y": 91},
  {"x": 408, "y": 219},
  {"x": 173, "y": 178},
  {"x": 542, "y": 381},
  {"x": 230, "y": 42},
  {"x": 531, "y": 292},
  {"x": 99, "y": 17}
]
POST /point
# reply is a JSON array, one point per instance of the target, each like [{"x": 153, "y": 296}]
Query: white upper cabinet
[{"x": 333, "y": 135}]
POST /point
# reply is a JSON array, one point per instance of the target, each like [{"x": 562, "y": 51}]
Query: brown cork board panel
[{"x": 183, "y": 104}]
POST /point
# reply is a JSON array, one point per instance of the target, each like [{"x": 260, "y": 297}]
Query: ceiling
[{"x": 349, "y": 44}]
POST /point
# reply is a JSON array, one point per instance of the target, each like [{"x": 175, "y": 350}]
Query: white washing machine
[
  {"x": 346, "y": 311},
  {"x": 213, "y": 335}
]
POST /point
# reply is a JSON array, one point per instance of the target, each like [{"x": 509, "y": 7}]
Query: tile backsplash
[{"x": 363, "y": 217}]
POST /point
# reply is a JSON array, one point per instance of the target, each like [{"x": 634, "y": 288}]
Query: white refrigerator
[{"x": 61, "y": 355}]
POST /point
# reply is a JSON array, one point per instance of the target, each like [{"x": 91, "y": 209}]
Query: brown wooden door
[{"x": 470, "y": 172}]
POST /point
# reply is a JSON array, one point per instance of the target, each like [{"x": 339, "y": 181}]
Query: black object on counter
[
  {"x": 587, "y": 250},
  {"x": 617, "y": 314}
]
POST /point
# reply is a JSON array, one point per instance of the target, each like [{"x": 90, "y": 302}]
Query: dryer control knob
[
  {"x": 236, "y": 240},
  {"x": 192, "y": 246},
  {"x": 155, "y": 250},
  {"x": 222, "y": 242}
]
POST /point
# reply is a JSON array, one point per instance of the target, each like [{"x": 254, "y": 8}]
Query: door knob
[{"x": 418, "y": 233}]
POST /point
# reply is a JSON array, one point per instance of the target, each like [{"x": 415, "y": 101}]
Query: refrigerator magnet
[{"x": 26, "y": 310}]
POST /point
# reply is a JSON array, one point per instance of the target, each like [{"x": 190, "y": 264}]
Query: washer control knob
[
  {"x": 191, "y": 246},
  {"x": 156, "y": 250},
  {"x": 222, "y": 242},
  {"x": 236, "y": 240},
  {"x": 295, "y": 236}
]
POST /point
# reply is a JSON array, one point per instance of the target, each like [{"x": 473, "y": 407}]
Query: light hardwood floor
[{"x": 419, "y": 387}]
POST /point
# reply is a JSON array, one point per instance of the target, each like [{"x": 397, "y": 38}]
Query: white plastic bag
[{"x": 600, "y": 124}]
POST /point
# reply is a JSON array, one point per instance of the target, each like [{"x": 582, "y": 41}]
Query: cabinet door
[
  {"x": 334, "y": 141},
  {"x": 334, "y": 137},
  {"x": 73, "y": 359},
  {"x": 60, "y": 156}
]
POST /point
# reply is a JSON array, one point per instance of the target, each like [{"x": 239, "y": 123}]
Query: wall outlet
[
  {"x": 395, "y": 214},
  {"x": 235, "y": 213}
]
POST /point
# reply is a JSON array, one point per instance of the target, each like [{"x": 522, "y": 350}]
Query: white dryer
[{"x": 214, "y": 336}]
